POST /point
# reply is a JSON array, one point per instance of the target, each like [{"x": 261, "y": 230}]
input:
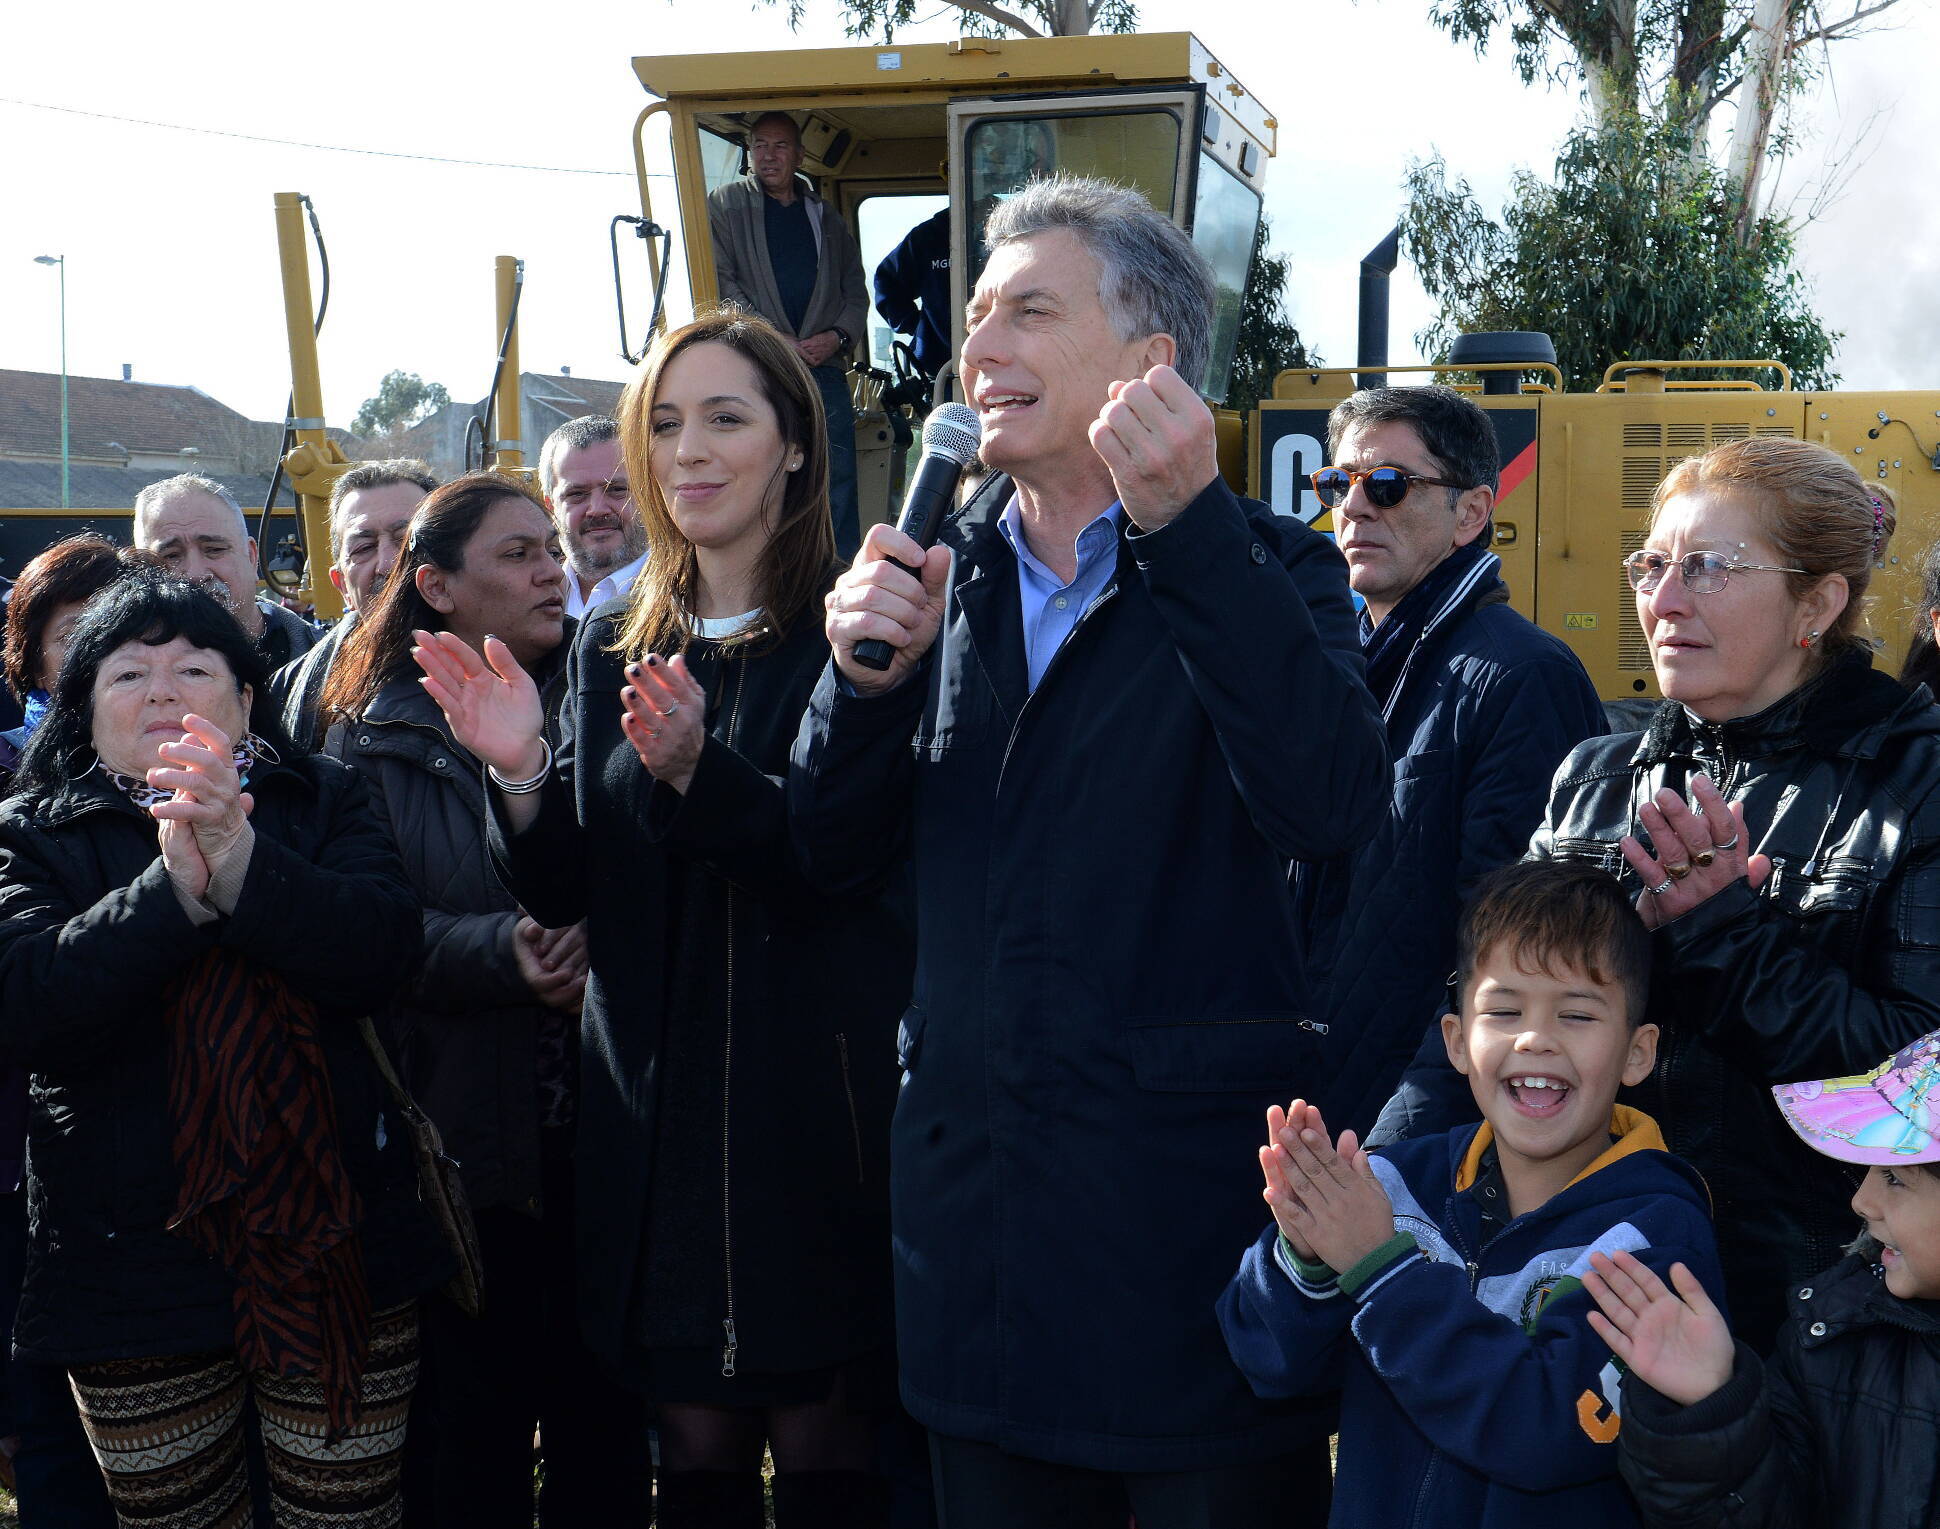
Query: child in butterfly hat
[{"x": 1837, "y": 1428}]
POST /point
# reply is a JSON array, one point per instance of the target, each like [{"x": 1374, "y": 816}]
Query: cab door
[{"x": 1168, "y": 142}]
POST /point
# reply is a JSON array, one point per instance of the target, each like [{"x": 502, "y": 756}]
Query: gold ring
[
  {"x": 1704, "y": 857},
  {"x": 1679, "y": 871}
]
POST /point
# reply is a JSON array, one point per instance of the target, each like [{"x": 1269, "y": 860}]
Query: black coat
[
  {"x": 1835, "y": 1432},
  {"x": 1831, "y": 966},
  {"x": 466, "y": 1032},
  {"x": 1109, "y": 988},
  {"x": 1486, "y": 707},
  {"x": 90, "y": 933},
  {"x": 791, "y": 997}
]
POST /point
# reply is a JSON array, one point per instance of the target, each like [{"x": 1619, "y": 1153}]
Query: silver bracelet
[{"x": 524, "y": 787}]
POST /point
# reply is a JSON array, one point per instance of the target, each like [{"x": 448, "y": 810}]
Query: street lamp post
[{"x": 61, "y": 261}]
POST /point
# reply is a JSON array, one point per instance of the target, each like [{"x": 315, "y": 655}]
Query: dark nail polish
[{"x": 653, "y": 660}]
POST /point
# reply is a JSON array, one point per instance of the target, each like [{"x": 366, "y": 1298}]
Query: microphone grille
[{"x": 952, "y": 431}]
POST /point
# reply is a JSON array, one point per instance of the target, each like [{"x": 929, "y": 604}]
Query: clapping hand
[
  {"x": 1278, "y": 1168},
  {"x": 1701, "y": 849},
  {"x": 666, "y": 712},
  {"x": 1336, "y": 1207},
  {"x": 1676, "y": 1342},
  {"x": 207, "y": 818},
  {"x": 490, "y": 703}
]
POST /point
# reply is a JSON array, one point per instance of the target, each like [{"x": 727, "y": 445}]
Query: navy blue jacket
[
  {"x": 1486, "y": 707},
  {"x": 1109, "y": 989},
  {"x": 1473, "y": 1393},
  {"x": 913, "y": 291}
]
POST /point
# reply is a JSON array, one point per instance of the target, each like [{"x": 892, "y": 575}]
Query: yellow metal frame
[
  {"x": 315, "y": 462},
  {"x": 1614, "y": 378},
  {"x": 1315, "y": 373}
]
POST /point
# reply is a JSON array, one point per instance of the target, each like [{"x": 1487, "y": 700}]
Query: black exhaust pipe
[{"x": 1377, "y": 265}]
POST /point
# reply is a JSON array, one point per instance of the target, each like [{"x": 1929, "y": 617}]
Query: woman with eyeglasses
[{"x": 1780, "y": 820}]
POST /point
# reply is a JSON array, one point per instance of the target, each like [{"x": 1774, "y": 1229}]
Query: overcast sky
[{"x": 170, "y": 237}]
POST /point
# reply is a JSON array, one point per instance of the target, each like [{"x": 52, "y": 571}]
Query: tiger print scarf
[{"x": 264, "y": 1188}]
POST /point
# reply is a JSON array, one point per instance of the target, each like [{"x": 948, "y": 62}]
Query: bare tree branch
[
  {"x": 1840, "y": 28},
  {"x": 1011, "y": 19}
]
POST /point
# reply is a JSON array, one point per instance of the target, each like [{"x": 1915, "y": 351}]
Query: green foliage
[
  {"x": 1268, "y": 341},
  {"x": 871, "y": 20},
  {"x": 403, "y": 399},
  {"x": 1630, "y": 252}
]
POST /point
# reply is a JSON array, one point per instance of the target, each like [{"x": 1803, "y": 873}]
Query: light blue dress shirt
[{"x": 1052, "y": 608}]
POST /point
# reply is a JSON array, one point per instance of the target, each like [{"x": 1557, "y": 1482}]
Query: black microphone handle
[{"x": 931, "y": 493}]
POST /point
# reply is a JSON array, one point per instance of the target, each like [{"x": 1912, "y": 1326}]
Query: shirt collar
[
  {"x": 1093, "y": 541},
  {"x": 611, "y": 587}
]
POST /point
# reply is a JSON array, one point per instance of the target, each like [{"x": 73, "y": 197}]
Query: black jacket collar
[{"x": 1849, "y": 709}]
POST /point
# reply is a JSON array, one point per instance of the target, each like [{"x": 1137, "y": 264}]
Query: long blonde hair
[{"x": 794, "y": 566}]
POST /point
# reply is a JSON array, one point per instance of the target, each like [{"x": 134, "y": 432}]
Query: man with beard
[
  {"x": 195, "y": 527},
  {"x": 583, "y": 476},
  {"x": 370, "y": 515}
]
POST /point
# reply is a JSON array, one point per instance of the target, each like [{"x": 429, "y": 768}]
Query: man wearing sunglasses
[{"x": 1481, "y": 706}]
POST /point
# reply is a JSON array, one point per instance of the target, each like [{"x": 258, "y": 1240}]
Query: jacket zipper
[
  {"x": 730, "y": 1343},
  {"x": 848, "y": 1088}
]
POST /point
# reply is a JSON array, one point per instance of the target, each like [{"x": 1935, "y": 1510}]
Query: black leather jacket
[
  {"x": 1836, "y": 1432},
  {"x": 1829, "y": 968}
]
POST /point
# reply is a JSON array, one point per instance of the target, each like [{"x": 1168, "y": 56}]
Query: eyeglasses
[
  {"x": 1385, "y": 487},
  {"x": 1703, "y": 573}
]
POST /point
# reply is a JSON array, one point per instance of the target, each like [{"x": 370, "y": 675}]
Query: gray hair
[
  {"x": 587, "y": 430},
  {"x": 381, "y": 474},
  {"x": 152, "y": 498},
  {"x": 1151, "y": 279}
]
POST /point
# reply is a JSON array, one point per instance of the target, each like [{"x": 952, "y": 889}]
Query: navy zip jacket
[
  {"x": 1109, "y": 989},
  {"x": 1473, "y": 1393},
  {"x": 1484, "y": 708}
]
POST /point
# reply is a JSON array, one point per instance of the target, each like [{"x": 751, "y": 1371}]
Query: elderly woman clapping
[
  {"x": 1779, "y": 820},
  {"x": 224, "y": 1209}
]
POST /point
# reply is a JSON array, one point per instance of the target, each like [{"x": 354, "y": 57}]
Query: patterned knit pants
[{"x": 168, "y": 1433}]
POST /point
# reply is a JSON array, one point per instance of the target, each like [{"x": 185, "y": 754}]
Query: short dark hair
[
  {"x": 72, "y": 571},
  {"x": 1453, "y": 428},
  {"x": 376, "y": 474},
  {"x": 145, "y": 605},
  {"x": 1551, "y": 913},
  {"x": 379, "y": 647}
]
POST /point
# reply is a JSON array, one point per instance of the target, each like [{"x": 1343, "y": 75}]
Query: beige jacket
[{"x": 745, "y": 275}]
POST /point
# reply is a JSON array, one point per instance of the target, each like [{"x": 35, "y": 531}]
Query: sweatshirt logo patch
[{"x": 1596, "y": 1410}]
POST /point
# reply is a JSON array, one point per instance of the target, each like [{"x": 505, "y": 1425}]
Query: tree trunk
[
  {"x": 1070, "y": 18},
  {"x": 1765, "y": 50}
]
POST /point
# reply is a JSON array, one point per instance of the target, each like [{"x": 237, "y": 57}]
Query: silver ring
[
  {"x": 1662, "y": 887},
  {"x": 667, "y": 713},
  {"x": 1731, "y": 843}
]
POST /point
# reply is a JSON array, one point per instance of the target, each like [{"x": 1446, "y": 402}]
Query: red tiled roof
[{"x": 144, "y": 416}]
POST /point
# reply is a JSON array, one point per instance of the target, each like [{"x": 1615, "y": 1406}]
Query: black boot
[
  {"x": 830, "y": 1500},
  {"x": 710, "y": 1500}
]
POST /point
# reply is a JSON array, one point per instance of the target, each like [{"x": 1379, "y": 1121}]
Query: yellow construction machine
[{"x": 893, "y": 134}]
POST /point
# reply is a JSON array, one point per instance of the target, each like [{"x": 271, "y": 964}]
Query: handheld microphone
[{"x": 950, "y": 438}]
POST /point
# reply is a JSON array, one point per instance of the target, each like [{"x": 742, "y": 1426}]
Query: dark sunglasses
[{"x": 1385, "y": 487}]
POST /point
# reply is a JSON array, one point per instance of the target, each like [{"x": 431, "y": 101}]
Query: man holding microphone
[{"x": 1121, "y": 701}]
